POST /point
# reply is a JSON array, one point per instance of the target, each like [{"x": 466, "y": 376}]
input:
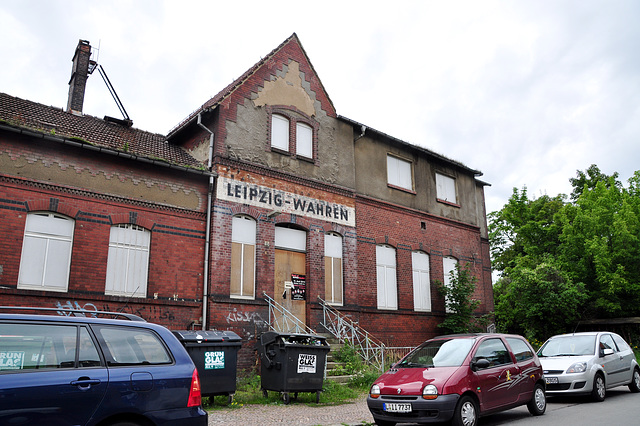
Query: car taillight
[{"x": 195, "y": 395}]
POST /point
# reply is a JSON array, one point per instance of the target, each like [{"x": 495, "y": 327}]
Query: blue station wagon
[{"x": 84, "y": 370}]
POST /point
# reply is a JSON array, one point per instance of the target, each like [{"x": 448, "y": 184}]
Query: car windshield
[
  {"x": 571, "y": 345},
  {"x": 438, "y": 353}
]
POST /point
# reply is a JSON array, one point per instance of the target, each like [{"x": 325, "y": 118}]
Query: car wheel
[
  {"x": 538, "y": 404},
  {"x": 466, "y": 413},
  {"x": 634, "y": 386},
  {"x": 599, "y": 390}
]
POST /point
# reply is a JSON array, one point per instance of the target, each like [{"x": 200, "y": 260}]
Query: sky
[{"x": 526, "y": 91}]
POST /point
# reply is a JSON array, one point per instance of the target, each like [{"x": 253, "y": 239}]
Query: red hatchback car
[{"x": 459, "y": 378}]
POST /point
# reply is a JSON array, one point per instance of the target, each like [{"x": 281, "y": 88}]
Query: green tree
[
  {"x": 459, "y": 302},
  {"x": 589, "y": 180}
]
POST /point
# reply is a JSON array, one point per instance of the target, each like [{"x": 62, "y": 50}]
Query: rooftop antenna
[{"x": 93, "y": 65}]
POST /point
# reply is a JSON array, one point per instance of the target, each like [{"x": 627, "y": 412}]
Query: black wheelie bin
[
  {"x": 215, "y": 354},
  {"x": 292, "y": 363}
]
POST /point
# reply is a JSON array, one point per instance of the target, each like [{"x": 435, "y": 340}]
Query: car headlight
[
  {"x": 578, "y": 367},
  {"x": 430, "y": 392},
  {"x": 375, "y": 391}
]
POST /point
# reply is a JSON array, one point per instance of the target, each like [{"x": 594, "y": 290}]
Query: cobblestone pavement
[{"x": 296, "y": 413}]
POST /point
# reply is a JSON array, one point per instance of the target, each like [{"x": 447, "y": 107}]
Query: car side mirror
[
  {"x": 607, "y": 351},
  {"x": 480, "y": 364}
]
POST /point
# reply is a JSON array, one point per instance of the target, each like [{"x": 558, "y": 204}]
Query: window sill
[
  {"x": 448, "y": 203},
  {"x": 399, "y": 188}
]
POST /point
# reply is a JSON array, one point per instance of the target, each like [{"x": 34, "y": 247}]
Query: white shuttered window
[
  {"x": 333, "y": 268},
  {"x": 128, "y": 261},
  {"x": 243, "y": 257},
  {"x": 46, "y": 252},
  {"x": 446, "y": 188},
  {"x": 449, "y": 267},
  {"x": 421, "y": 282},
  {"x": 280, "y": 132},
  {"x": 386, "y": 277}
]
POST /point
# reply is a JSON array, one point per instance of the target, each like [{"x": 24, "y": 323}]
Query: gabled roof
[
  {"x": 227, "y": 91},
  {"x": 94, "y": 131}
]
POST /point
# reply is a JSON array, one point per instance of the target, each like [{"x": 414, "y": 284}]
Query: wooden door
[{"x": 287, "y": 263}]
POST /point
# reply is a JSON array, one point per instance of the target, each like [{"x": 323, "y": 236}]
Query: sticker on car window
[{"x": 11, "y": 360}]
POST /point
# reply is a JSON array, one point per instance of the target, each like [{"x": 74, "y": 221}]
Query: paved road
[{"x": 620, "y": 408}]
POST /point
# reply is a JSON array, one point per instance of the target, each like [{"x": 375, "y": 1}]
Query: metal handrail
[
  {"x": 345, "y": 330},
  {"x": 286, "y": 321}
]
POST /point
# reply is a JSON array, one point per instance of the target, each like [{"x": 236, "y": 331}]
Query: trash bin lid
[
  {"x": 270, "y": 337},
  {"x": 209, "y": 336}
]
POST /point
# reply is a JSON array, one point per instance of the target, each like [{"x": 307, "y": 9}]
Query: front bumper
[
  {"x": 569, "y": 384},
  {"x": 440, "y": 409}
]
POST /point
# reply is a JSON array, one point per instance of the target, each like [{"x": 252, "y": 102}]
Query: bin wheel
[
  {"x": 230, "y": 399},
  {"x": 265, "y": 393},
  {"x": 286, "y": 398},
  {"x": 317, "y": 397}
]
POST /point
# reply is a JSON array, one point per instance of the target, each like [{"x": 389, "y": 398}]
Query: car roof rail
[{"x": 76, "y": 312}]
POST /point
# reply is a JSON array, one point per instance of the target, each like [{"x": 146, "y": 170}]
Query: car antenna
[
  {"x": 128, "y": 299},
  {"x": 577, "y": 325}
]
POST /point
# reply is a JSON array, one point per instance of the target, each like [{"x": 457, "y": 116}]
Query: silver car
[{"x": 588, "y": 363}]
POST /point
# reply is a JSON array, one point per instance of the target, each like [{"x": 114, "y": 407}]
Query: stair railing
[
  {"x": 345, "y": 330},
  {"x": 283, "y": 321}
]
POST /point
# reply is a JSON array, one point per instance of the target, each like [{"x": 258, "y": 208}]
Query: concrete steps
[{"x": 333, "y": 366}]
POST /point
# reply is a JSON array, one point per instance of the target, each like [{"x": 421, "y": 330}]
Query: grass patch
[{"x": 248, "y": 391}]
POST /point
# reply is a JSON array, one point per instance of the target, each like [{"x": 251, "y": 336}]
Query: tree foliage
[
  {"x": 459, "y": 302},
  {"x": 562, "y": 261}
]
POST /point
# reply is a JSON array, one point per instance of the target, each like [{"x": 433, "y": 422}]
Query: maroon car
[{"x": 459, "y": 378}]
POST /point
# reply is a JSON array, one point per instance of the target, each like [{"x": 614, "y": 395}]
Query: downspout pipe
[{"x": 207, "y": 248}]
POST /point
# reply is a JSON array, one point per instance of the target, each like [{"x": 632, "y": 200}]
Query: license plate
[
  {"x": 551, "y": 380},
  {"x": 397, "y": 408}
]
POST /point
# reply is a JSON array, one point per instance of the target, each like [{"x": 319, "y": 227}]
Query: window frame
[
  {"x": 446, "y": 184},
  {"x": 34, "y": 233},
  {"x": 386, "y": 277},
  {"x": 114, "y": 284},
  {"x": 330, "y": 269},
  {"x": 421, "y": 282},
  {"x": 295, "y": 119},
  {"x": 447, "y": 274},
  {"x": 240, "y": 237},
  {"x": 396, "y": 175}
]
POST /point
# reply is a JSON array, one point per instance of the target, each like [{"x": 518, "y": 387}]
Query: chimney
[{"x": 79, "y": 75}]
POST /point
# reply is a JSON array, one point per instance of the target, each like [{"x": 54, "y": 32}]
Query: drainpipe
[{"x": 207, "y": 249}]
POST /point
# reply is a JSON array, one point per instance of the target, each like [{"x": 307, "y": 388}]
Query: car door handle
[{"x": 85, "y": 382}]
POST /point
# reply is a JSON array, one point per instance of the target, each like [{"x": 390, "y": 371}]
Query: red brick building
[{"x": 263, "y": 190}]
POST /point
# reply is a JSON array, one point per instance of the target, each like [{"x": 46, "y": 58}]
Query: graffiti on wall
[
  {"x": 250, "y": 324},
  {"x": 155, "y": 313}
]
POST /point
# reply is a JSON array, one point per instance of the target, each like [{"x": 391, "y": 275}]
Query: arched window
[
  {"x": 243, "y": 257},
  {"x": 46, "y": 252},
  {"x": 386, "y": 277},
  {"x": 128, "y": 261},
  {"x": 333, "y": 268},
  {"x": 421, "y": 281}
]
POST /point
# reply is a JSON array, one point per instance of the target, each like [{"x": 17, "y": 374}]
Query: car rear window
[
  {"x": 520, "y": 349},
  {"x": 42, "y": 346},
  {"x": 132, "y": 346}
]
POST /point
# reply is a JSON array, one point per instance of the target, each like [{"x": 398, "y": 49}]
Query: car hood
[
  {"x": 411, "y": 381},
  {"x": 562, "y": 362}
]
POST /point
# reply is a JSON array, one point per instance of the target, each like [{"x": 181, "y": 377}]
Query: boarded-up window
[
  {"x": 399, "y": 172},
  {"x": 446, "y": 188},
  {"x": 304, "y": 140},
  {"x": 46, "y": 252},
  {"x": 386, "y": 277},
  {"x": 243, "y": 257},
  {"x": 421, "y": 282},
  {"x": 279, "y": 132},
  {"x": 333, "y": 268},
  {"x": 128, "y": 261}
]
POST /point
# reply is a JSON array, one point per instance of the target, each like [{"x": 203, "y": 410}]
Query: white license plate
[
  {"x": 397, "y": 408},
  {"x": 551, "y": 380}
]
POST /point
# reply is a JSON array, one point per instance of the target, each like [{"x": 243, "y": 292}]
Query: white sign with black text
[{"x": 306, "y": 363}]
